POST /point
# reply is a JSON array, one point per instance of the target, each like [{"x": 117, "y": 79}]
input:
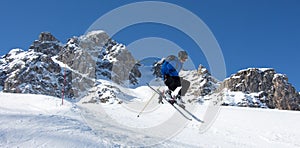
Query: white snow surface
[
  {"x": 236, "y": 98},
  {"x": 42, "y": 121},
  {"x": 259, "y": 69}
]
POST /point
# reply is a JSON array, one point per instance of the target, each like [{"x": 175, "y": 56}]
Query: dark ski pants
[{"x": 174, "y": 81}]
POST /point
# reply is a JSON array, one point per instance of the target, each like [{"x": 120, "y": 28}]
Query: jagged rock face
[
  {"x": 95, "y": 56},
  {"x": 46, "y": 44},
  {"x": 34, "y": 71},
  {"x": 120, "y": 64},
  {"x": 285, "y": 95},
  {"x": 82, "y": 64},
  {"x": 31, "y": 72},
  {"x": 87, "y": 58},
  {"x": 3, "y": 73},
  {"x": 47, "y": 36},
  {"x": 202, "y": 83},
  {"x": 274, "y": 89}
]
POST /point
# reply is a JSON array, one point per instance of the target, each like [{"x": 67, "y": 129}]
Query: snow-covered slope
[{"x": 41, "y": 121}]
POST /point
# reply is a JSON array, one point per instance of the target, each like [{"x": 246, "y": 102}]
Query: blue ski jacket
[{"x": 171, "y": 66}]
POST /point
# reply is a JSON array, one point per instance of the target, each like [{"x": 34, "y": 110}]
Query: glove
[{"x": 166, "y": 77}]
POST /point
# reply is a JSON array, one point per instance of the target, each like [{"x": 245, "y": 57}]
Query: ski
[
  {"x": 163, "y": 97},
  {"x": 185, "y": 116},
  {"x": 193, "y": 116},
  {"x": 188, "y": 112}
]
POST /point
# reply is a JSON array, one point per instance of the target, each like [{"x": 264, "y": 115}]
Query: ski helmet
[{"x": 182, "y": 55}]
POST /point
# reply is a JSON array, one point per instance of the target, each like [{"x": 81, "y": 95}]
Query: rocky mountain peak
[
  {"x": 46, "y": 44},
  {"x": 96, "y": 56},
  {"x": 30, "y": 72},
  {"x": 274, "y": 89},
  {"x": 202, "y": 82},
  {"x": 49, "y": 66},
  {"x": 47, "y": 36}
]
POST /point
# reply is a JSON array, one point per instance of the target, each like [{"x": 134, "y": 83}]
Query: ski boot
[
  {"x": 169, "y": 98},
  {"x": 179, "y": 101}
]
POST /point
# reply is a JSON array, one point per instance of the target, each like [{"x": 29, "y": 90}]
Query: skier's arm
[
  {"x": 163, "y": 70},
  {"x": 167, "y": 69},
  {"x": 171, "y": 70}
]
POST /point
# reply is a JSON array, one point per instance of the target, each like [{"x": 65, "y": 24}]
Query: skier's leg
[
  {"x": 177, "y": 91},
  {"x": 185, "y": 86},
  {"x": 172, "y": 83},
  {"x": 168, "y": 82}
]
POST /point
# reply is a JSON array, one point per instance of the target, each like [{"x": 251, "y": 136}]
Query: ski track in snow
[{"x": 41, "y": 121}]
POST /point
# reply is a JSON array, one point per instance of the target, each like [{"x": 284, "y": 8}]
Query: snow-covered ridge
[
  {"x": 258, "y": 69},
  {"x": 49, "y": 66},
  {"x": 30, "y": 72}
]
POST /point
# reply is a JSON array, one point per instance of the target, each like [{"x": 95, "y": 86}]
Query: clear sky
[{"x": 251, "y": 33}]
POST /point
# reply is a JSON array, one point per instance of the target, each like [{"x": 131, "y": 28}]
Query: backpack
[{"x": 157, "y": 66}]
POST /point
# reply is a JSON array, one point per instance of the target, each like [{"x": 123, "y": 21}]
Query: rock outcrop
[
  {"x": 31, "y": 72},
  {"x": 202, "y": 82},
  {"x": 274, "y": 89},
  {"x": 96, "y": 56},
  {"x": 46, "y": 44}
]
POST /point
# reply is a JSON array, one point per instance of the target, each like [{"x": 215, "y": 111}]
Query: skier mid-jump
[{"x": 170, "y": 69}]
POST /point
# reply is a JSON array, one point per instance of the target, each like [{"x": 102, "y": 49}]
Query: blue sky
[{"x": 251, "y": 33}]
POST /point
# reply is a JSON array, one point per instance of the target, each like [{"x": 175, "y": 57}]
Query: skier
[{"x": 170, "y": 69}]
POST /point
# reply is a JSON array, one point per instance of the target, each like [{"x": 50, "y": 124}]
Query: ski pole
[{"x": 146, "y": 104}]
